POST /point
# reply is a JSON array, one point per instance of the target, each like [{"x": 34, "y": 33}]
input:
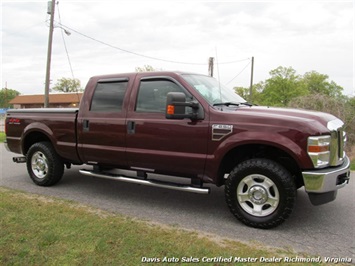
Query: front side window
[
  {"x": 108, "y": 97},
  {"x": 152, "y": 95}
]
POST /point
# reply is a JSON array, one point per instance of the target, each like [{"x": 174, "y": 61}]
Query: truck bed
[{"x": 56, "y": 125}]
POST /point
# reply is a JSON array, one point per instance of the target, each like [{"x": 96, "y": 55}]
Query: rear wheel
[
  {"x": 260, "y": 193},
  {"x": 43, "y": 164}
]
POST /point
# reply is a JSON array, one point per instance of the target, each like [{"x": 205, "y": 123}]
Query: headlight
[{"x": 319, "y": 150}]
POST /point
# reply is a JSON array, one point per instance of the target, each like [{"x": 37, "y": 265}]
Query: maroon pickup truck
[{"x": 130, "y": 127}]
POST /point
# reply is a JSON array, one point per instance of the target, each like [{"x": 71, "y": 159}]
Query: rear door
[
  {"x": 157, "y": 144},
  {"x": 103, "y": 124}
]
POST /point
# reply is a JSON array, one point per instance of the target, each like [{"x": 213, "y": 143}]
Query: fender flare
[
  {"x": 36, "y": 127},
  {"x": 275, "y": 140}
]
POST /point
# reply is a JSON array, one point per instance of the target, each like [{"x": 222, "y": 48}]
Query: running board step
[{"x": 151, "y": 182}]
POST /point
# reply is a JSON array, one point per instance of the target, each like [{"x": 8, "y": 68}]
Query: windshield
[{"x": 213, "y": 91}]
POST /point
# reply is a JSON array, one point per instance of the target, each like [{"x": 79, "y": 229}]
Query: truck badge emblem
[{"x": 220, "y": 131}]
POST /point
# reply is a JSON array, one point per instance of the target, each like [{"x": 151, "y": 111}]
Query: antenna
[
  {"x": 251, "y": 80},
  {"x": 219, "y": 80}
]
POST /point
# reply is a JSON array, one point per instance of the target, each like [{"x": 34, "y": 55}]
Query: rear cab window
[{"x": 109, "y": 95}]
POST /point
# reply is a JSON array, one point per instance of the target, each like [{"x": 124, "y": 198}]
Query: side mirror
[{"x": 176, "y": 107}]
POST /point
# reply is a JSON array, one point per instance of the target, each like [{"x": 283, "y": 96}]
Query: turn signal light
[
  {"x": 170, "y": 110},
  {"x": 318, "y": 148}
]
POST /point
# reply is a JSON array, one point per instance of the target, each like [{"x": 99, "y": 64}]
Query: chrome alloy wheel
[
  {"x": 39, "y": 164},
  {"x": 258, "y": 195}
]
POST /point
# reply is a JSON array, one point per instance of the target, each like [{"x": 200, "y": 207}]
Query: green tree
[
  {"x": 342, "y": 107},
  {"x": 282, "y": 87},
  {"x": 256, "y": 93},
  {"x": 145, "y": 68},
  {"x": 317, "y": 83},
  {"x": 285, "y": 84},
  {"x": 242, "y": 92},
  {"x": 6, "y": 95},
  {"x": 351, "y": 102},
  {"x": 67, "y": 85}
]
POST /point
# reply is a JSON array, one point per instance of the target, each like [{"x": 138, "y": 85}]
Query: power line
[
  {"x": 239, "y": 73},
  {"x": 65, "y": 45},
  {"x": 142, "y": 55},
  {"x": 232, "y": 62},
  {"x": 127, "y": 51}
]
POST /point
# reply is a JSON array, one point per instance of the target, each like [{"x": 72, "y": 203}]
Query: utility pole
[
  {"x": 50, "y": 11},
  {"x": 210, "y": 66},
  {"x": 251, "y": 80}
]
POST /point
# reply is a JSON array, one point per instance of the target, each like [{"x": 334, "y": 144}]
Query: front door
[{"x": 157, "y": 144}]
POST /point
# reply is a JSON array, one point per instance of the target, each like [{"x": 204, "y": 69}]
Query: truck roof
[{"x": 148, "y": 73}]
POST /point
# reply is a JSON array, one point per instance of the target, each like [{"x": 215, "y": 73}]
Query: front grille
[
  {"x": 337, "y": 144},
  {"x": 341, "y": 141}
]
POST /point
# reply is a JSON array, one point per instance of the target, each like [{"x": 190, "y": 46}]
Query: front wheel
[
  {"x": 43, "y": 164},
  {"x": 260, "y": 193}
]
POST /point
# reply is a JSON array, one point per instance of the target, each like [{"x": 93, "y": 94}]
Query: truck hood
[{"x": 314, "y": 122}]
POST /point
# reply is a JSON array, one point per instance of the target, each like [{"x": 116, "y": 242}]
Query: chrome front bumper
[{"x": 327, "y": 179}]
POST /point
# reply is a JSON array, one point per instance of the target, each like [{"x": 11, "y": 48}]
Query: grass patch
[
  {"x": 352, "y": 165},
  {"x": 2, "y": 137},
  {"x": 36, "y": 230}
]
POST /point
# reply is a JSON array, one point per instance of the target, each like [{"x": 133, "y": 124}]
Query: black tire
[
  {"x": 260, "y": 193},
  {"x": 44, "y": 165}
]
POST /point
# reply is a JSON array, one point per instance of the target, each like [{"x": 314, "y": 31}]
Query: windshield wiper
[
  {"x": 247, "y": 104},
  {"x": 231, "y": 103},
  {"x": 226, "y": 104}
]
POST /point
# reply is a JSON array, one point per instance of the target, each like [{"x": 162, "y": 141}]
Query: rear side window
[{"x": 108, "y": 96}]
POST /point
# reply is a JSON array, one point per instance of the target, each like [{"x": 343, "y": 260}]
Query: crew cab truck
[{"x": 189, "y": 126}]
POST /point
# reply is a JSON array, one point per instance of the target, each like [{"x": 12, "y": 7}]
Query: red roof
[{"x": 53, "y": 98}]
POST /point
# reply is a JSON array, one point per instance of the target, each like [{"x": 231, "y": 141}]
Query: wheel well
[
  {"x": 245, "y": 152},
  {"x": 33, "y": 138}
]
